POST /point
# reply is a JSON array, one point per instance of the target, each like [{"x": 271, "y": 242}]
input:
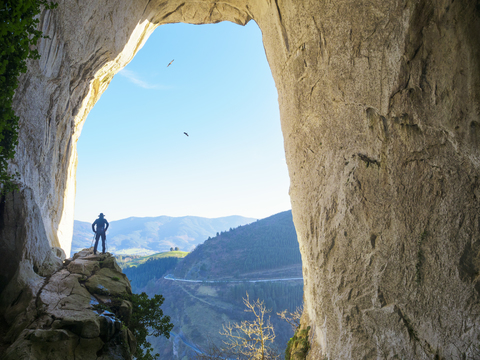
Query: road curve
[{"x": 171, "y": 278}]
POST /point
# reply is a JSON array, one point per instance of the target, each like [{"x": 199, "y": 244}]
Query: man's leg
[
  {"x": 97, "y": 236},
  {"x": 104, "y": 237}
]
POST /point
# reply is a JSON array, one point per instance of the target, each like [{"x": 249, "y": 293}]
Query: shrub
[
  {"x": 148, "y": 320},
  {"x": 298, "y": 345},
  {"x": 18, "y": 36}
]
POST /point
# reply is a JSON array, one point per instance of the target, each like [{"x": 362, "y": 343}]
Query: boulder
[
  {"x": 64, "y": 320},
  {"x": 59, "y": 252},
  {"x": 83, "y": 266},
  {"x": 110, "y": 263},
  {"x": 109, "y": 282},
  {"x": 43, "y": 345},
  {"x": 53, "y": 345},
  {"x": 51, "y": 263}
]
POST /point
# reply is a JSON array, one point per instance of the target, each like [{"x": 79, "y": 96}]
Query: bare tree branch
[
  {"x": 292, "y": 318},
  {"x": 251, "y": 339}
]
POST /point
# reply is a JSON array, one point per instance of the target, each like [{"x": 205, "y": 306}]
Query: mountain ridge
[
  {"x": 148, "y": 235},
  {"x": 260, "y": 246}
]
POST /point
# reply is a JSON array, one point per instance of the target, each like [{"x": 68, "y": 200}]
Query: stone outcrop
[
  {"x": 379, "y": 103},
  {"x": 66, "y": 315}
]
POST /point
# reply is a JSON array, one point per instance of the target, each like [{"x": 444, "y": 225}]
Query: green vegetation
[
  {"x": 265, "y": 244},
  {"x": 154, "y": 268},
  {"x": 141, "y": 269},
  {"x": 278, "y": 295},
  {"x": 126, "y": 261},
  {"x": 298, "y": 345},
  {"x": 148, "y": 320},
  {"x": 18, "y": 36}
]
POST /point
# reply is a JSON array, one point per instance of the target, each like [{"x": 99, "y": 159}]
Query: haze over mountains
[{"x": 151, "y": 235}]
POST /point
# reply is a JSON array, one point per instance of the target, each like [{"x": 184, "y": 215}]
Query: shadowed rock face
[
  {"x": 63, "y": 318},
  {"x": 379, "y": 104}
]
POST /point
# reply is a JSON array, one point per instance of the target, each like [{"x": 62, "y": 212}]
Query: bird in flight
[
  {"x": 185, "y": 133},
  {"x": 170, "y": 63}
]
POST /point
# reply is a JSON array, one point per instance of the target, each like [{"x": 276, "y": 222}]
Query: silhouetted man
[{"x": 102, "y": 226}]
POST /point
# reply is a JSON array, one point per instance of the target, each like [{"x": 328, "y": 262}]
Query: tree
[
  {"x": 148, "y": 320},
  {"x": 250, "y": 339},
  {"x": 176, "y": 248},
  {"x": 18, "y": 36},
  {"x": 171, "y": 249}
]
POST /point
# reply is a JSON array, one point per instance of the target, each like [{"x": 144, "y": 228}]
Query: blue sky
[{"x": 134, "y": 159}]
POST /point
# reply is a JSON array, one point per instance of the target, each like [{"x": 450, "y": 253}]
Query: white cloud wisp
[{"x": 134, "y": 78}]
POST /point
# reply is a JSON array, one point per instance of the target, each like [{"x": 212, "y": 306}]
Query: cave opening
[
  {"x": 211, "y": 82},
  {"x": 190, "y": 126}
]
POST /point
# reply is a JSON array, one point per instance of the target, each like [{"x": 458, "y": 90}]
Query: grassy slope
[
  {"x": 125, "y": 261},
  {"x": 252, "y": 249}
]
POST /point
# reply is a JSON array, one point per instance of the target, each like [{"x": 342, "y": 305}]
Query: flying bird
[
  {"x": 185, "y": 133},
  {"x": 170, "y": 63}
]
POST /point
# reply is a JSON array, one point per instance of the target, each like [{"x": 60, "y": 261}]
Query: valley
[{"x": 204, "y": 289}]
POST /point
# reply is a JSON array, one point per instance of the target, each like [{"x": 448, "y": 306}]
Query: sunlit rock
[{"x": 64, "y": 320}]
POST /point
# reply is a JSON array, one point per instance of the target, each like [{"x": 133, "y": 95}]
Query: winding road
[{"x": 170, "y": 277}]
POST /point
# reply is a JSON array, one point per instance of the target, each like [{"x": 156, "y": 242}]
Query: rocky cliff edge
[{"x": 78, "y": 312}]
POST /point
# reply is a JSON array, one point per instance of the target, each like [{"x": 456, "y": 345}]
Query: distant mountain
[
  {"x": 155, "y": 234},
  {"x": 245, "y": 251}
]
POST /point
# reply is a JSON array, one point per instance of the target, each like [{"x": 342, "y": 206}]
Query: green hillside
[
  {"x": 225, "y": 268},
  {"x": 140, "y": 270},
  {"x": 246, "y": 251},
  {"x": 126, "y": 261}
]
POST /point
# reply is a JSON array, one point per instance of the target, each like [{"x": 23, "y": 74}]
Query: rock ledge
[{"x": 70, "y": 317}]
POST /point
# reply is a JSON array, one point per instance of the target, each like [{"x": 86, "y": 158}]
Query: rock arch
[{"x": 379, "y": 102}]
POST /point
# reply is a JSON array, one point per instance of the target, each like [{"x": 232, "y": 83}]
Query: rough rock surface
[
  {"x": 66, "y": 316},
  {"x": 379, "y": 103}
]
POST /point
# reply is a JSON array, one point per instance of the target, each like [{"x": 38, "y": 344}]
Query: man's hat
[{"x": 101, "y": 215}]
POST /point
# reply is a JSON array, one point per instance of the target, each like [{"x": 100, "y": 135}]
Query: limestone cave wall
[{"x": 379, "y": 104}]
